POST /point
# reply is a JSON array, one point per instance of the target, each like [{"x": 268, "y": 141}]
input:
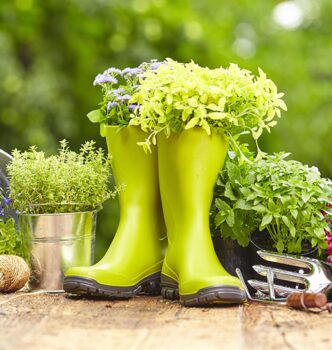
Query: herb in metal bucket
[{"x": 66, "y": 182}]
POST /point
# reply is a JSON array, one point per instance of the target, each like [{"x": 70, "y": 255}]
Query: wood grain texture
[{"x": 46, "y": 321}]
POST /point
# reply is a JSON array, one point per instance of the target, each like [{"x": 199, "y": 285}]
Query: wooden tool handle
[{"x": 303, "y": 300}]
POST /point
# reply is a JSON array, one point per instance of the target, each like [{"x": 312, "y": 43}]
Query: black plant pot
[{"x": 232, "y": 256}]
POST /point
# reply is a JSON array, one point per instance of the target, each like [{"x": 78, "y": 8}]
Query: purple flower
[
  {"x": 133, "y": 107},
  {"x": 102, "y": 78},
  {"x": 155, "y": 65},
  {"x": 111, "y": 105},
  {"x": 124, "y": 98},
  {"x": 117, "y": 92},
  {"x": 131, "y": 71},
  {"x": 113, "y": 70},
  {"x": 6, "y": 201}
]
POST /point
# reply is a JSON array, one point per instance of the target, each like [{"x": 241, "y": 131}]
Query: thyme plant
[{"x": 65, "y": 182}]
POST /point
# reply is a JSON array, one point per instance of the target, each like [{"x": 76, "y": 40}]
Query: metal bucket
[{"x": 55, "y": 243}]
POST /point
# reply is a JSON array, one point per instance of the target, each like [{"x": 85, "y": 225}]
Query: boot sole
[
  {"x": 223, "y": 294},
  {"x": 89, "y": 287}
]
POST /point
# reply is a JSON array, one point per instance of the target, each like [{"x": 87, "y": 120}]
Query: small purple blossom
[
  {"x": 113, "y": 70},
  {"x": 102, "y": 78},
  {"x": 131, "y": 71},
  {"x": 133, "y": 107},
  {"x": 117, "y": 92},
  {"x": 124, "y": 98},
  {"x": 6, "y": 201},
  {"x": 155, "y": 65},
  {"x": 111, "y": 105}
]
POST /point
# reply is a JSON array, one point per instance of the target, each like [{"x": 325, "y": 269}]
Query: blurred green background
[{"x": 51, "y": 51}]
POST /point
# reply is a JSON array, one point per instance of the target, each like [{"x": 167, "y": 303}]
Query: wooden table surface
[{"x": 53, "y": 321}]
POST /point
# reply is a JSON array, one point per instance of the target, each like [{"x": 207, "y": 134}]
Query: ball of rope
[{"x": 14, "y": 273}]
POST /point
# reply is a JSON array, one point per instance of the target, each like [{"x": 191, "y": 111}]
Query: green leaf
[
  {"x": 219, "y": 219},
  {"x": 222, "y": 206},
  {"x": 242, "y": 204},
  {"x": 206, "y": 127},
  {"x": 217, "y": 115},
  {"x": 266, "y": 220},
  {"x": 229, "y": 192},
  {"x": 192, "y": 102},
  {"x": 280, "y": 246},
  {"x": 192, "y": 122},
  {"x": 286, "y": 221},
  {"x": 169, "y": 99},
  {"x": 260, "y": 208},
  {"x": 186, "y": 113},
  {"x": 305, "y": 196},
  {"x": 230, "y": 218},
  {"x": 233, "y": 173},
  {"x": 96, "y": 116},
  {"x": 257, "y": 134},
  {"x": 213, "y": 107}
]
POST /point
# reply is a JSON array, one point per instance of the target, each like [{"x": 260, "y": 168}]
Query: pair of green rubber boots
[{"x": 173, "y": 185}]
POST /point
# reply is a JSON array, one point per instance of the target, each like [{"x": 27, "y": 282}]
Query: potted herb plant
[
  {"x": 192, "y": 114},
  {"x": 58, "y": 198},
  {"x": 287, "y": 201}
]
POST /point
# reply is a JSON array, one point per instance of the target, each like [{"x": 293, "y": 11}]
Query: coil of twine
[{"x": 14, "y": 273}]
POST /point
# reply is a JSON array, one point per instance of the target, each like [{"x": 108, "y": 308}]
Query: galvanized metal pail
[{"x": 55, "y": 243}]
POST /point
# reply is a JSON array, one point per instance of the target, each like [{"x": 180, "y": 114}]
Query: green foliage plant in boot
[
  {"x": 133, "y": 262},
  {"x": 192, "y": 113},
  {"x": 58, "y": 198},
  {"x": 118, "y": 87},
  {"x": 287, "y": 201}
]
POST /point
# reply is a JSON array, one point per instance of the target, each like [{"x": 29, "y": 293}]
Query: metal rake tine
[
  {"x": 286, "y": 259},
  {"x": 281, "y": 274},
  {"x": 270, "y": 283},
  {"x": 262, "y": 286},
  {"x": 239, "y": 274}
]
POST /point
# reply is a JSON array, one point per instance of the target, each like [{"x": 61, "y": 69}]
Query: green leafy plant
[
  {"x": 10, "y": 239},
  {"x": 118, "y": 86},
  {"x": 178, "y": 96},
  {"x": 10, "y": 242},
  {"x": 284, "y": 197},
  {"x": 66, "y": 182}
]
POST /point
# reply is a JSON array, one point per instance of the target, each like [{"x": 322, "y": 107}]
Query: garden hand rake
[{"x": 310, "y": 275}]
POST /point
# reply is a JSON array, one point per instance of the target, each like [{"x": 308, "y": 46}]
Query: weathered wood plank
[{"x": 46, "y": 321}]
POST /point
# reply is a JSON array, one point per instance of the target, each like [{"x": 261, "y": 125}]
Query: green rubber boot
[
  {"x": 133, "y": 261},
  {"x": 189, "y": 163}
]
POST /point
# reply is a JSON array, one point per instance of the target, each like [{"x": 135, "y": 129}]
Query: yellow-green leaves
[{"x": 180, "y": 96}]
